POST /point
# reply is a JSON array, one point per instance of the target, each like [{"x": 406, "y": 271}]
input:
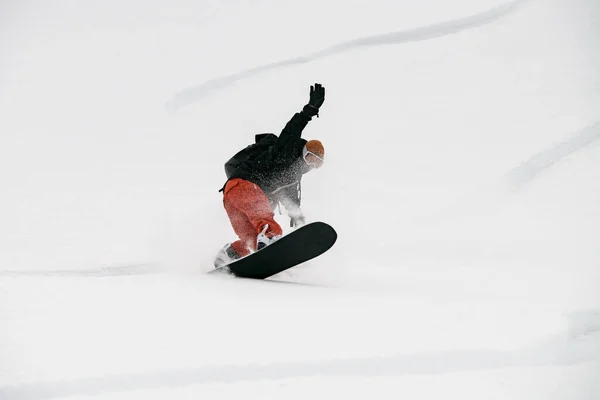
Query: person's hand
[{"x": 317, "y": 97}]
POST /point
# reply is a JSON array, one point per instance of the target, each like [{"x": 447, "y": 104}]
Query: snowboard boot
[
  {"x": 225, "y": 256},
  {"x": 263, "y": 240}
]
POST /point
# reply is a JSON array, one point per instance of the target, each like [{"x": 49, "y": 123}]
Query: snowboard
[{"x": 300, "y": 245}]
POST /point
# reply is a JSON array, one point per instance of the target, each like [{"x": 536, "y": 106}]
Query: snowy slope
[{"x": 462, "y": 177}]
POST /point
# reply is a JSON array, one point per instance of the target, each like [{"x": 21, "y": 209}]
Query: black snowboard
[{"x": 303, "y": 244}]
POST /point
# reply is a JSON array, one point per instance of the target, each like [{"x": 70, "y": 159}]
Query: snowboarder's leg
[
  {"x": 249, "y": 211},
  {"x": 242, "y": 227}
]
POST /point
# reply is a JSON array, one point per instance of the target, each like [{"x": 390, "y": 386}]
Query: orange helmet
[{"x": 314, "y": 153}]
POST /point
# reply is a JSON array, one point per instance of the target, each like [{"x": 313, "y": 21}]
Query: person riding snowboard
[{"x": 265, "y": 174}]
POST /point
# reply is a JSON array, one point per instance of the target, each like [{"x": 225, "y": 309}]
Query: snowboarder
[{"x": 265, "y": 174}]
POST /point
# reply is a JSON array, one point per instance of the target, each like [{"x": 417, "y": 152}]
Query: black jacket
[{"x": 279, "y": 166}]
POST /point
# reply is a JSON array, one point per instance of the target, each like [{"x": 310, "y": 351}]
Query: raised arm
[{"x": 293, "y": 129}]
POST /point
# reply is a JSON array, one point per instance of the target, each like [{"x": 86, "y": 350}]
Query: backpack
[{"x": 262, "y": 142}]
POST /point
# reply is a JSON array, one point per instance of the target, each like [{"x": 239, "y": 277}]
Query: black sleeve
[
  {"x": 290, "y": 199},
  {"x": 289, "y": 137}
]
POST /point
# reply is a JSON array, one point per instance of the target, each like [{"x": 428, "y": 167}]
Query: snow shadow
[
  {"x": 104, "y": 271},
  {"x": 543, "y": 160},
  {"x": 192, "y": 94},
  {"x": 580, "y": 345}
]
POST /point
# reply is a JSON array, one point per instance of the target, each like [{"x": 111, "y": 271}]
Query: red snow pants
[{"x": 248, "y": 209}]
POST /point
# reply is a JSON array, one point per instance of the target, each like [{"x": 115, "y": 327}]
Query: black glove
[
  {"x": 317, "y": 97},
  {"x": 296, "y": 222}
]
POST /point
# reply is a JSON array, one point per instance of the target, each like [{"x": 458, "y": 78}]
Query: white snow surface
[{"x": 462, "y": 176}]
